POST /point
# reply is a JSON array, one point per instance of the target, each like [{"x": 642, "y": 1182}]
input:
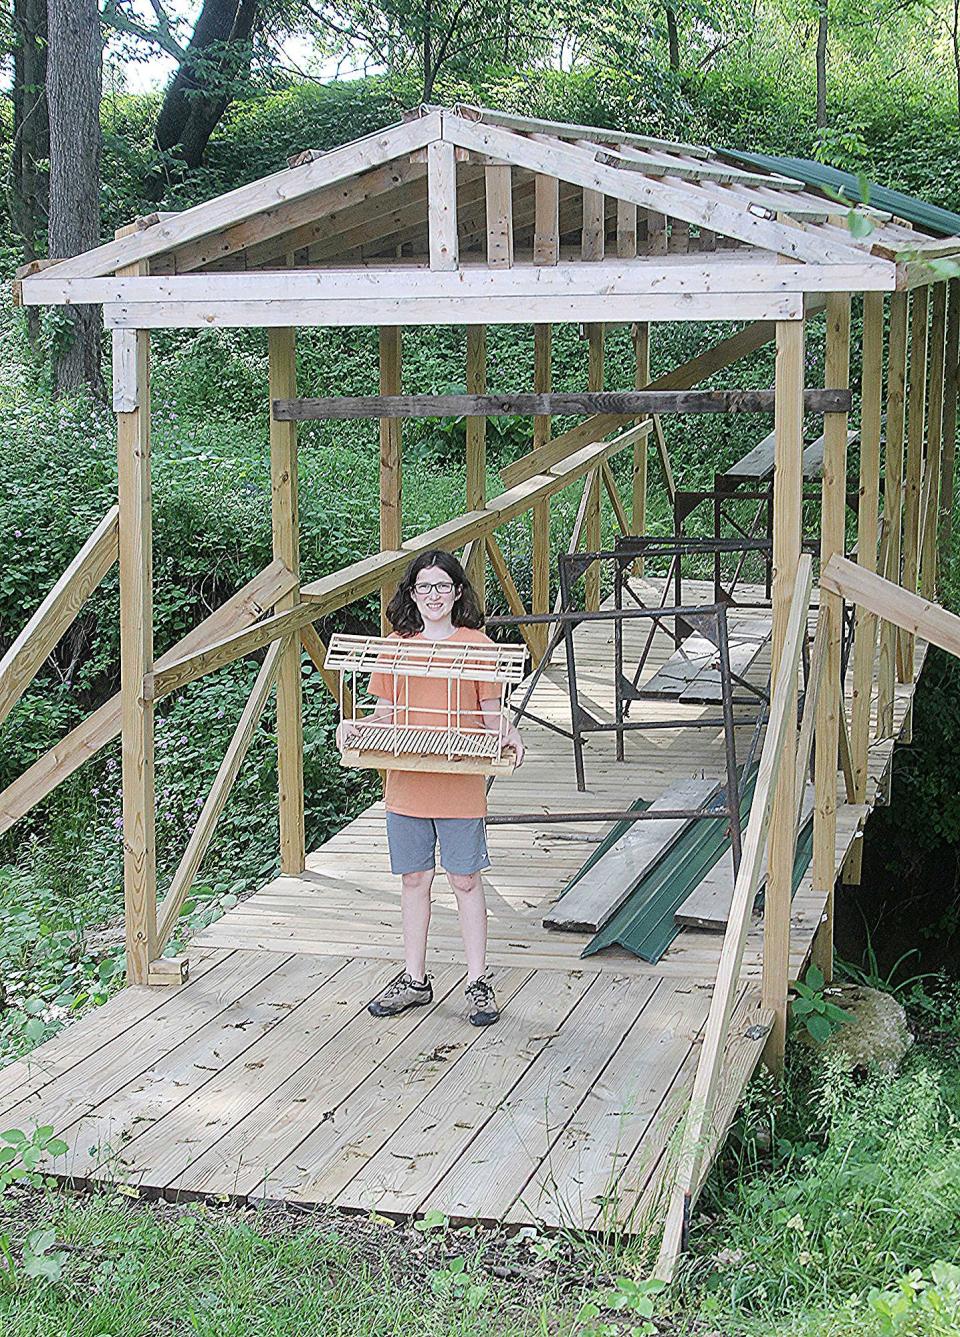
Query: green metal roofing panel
[
  {"x": 818, "y": 174},
  {"x": 645, "y": 924}
]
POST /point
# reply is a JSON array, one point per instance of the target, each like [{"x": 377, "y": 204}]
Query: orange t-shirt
[{"x": 432, "y": 793}]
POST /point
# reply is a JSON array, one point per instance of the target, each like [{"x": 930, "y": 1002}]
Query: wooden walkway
[{"x": 265, "y": 1078}]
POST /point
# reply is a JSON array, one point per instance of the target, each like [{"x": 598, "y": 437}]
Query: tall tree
[
  {"x": 27, "y": 182},
  {"x": 215, "y": 62},
  {"x": 821, "y": 61},
  {"x": 74, "y": 77}
]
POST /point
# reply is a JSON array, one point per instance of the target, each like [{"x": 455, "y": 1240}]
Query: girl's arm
[
  {"x": 491, "y": 722},
  {"x": 382, "y": 713}
]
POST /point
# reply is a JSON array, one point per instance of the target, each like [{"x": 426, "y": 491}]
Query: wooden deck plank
[
  {"x": 335, "y": 1151},
  {"x": 402, "y": 1176},
  {"x": 582, "y": 1168},
  {"x": 206, "y": 1143},
  {"x": 493, "y": 1170}
]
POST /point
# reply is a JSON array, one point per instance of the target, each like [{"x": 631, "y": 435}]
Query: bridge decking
[{"x": 264, "y": 1077}]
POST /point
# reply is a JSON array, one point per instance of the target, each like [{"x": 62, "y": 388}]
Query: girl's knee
[
  {"x": 464, "y": 882},
  {"x": 417, "y": 881}
]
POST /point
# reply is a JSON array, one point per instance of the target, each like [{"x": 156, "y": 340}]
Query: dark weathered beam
[{"x": 629, "y": 403}]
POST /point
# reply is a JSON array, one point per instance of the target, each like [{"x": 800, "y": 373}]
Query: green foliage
[
  {"x": 918, "y": 1306},
  {"x": 633, "y": 1299},
  {"x": 811, "y": 1007}
]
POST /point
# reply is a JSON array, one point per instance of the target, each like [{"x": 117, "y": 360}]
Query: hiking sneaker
[
  {"x": 401, "y": 993},
  {"x": 482, "y": 1001}
]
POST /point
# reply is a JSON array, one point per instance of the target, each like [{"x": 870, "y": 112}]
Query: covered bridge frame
[{"x": 466, "y": 216}]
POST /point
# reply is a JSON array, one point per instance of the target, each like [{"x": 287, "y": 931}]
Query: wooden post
[
  {"x": 132, "y": 347},
  {"x": 787, "y": 508},
  {"x": 592, "y": 233},
  {"x": 892, "y": 500},
  {"x": 865, "y": 637},
  {"x": 499, "y": 198},
  {"x": 391, "y": 469},
  {"x": 546, "y": 225},
  {"x": 916, "y": 412},
  {"x": 948, "y": 459},
  {"x": 641, "y": 348},
  {"x": 286, "y": 546},
  {"x": 540, "y": 517},
  {"x": 591, "y": 579},
  {"x": 830, "y": 701},
  {"x": 442, "y": 205},
  {"x": 930, "y": 496},
  {"x": 477, "y": 449}
]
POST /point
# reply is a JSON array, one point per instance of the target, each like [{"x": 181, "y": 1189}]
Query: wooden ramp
[{"x": 264, "y": 1077}]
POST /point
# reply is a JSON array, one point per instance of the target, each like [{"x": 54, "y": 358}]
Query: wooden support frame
[
  {"x": 787, "y": 508},
  {"x": 594, "y": 225},
  {"x": 136, "y": 662},
  {"x": 916, "y": 422},
  {"x": 202, "y": 833},
  {"x": 476, "y": 461},
  {"x": 948, "y": 458},
  {"x": 27, "y": 652},
  {"x": 540, "y": 515},
  {"x": 285, "y": 509},
  {"x": 893, "y": 500},
  {"x": 914, "y": 614},
  {"x": 391, "y": 456},
  {"x": 640, "y": 337},
  {"x": 830, "y": 701},
  {"x": 546, "y": 224},
  {"x": 100, "y": 728},
  {"x": 596, "y": 341},
  {"x": 499, "y": 196},
  {"x": 930, "y": 495},
  {"x": 776, "y": 761},
  {"x": 865, "y": 632},
  {"x": 442, "y": 205}
]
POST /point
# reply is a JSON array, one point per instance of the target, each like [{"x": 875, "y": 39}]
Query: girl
[{"x": 436, "y": 602}]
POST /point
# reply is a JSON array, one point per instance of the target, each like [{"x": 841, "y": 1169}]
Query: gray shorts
[{"x": 412, "y": 842}]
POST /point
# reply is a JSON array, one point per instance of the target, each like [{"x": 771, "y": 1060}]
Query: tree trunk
[
  {"x": 822, "y": 66},
  {"x": 73, "y": 93},
  {"x": 217, "y": 56},
  {"x": 28, "y": 183},
  {"x": 428, "y": 70},
  {"x": 673, "y": 38}
]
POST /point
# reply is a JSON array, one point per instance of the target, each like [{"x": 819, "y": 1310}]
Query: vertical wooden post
[
  {"x": 591, "y": 580},
  {"x": 546, "y": 220},
  {"x": 892, "y": 500},
  {"x": 916, "y": 413},
  {"x": 499, "y": 198},
  {"x": 787, "y": 506},
  {"x": 626, "y": 230},
  {"x": 950, "y": 385},
  {"x": 286, "y": 546},
  {"x": 865, "y": 636},
  {"x": 391, "y": 468},
  {"x": 930, "y": 496},
  {"x": 477, "y": 449},
  {"x": 540, "y": 517},
  {"x": 592, "y": 233},
  {"x": 830, "y": 701},
  {"x": 132, "y": 349},
  {"x": 442, "y": 205},
  {"x": 638, "y": 518}
]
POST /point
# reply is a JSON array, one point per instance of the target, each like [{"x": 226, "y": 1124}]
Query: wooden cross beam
[{"x": 629, "y": 403}]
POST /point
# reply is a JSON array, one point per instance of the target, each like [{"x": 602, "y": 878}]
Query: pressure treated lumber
[
  {"x": 830, "y": 700},
  {"x": 950, "y": 385},
  {"x": 623, "y": 403},
  {"x": 285, "y": 514},
  {"x": 892, "y": 501},
  {"x": 540, "y": 515},
  {"x": 391, "y": 458},
  {"x": 930, "y": 496},
  {"x": 100, "y": 728},
  {"x": 476, "y": 461},
  {"x": 602, "y": 890},
  {"x": 776, "y": 761},
  {"x": 216, "y": 799},
  {"x": 787, "y": 563},
  {"x": 916, "y": 615},
  {"x": 916, "y": 425},
  {"x": 865, "y": 627},
  {"x": 442, "y": 205},
  {"x": 56, "y": 612}
]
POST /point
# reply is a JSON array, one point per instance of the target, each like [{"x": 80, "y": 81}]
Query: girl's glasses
[{"x": 441, "y": 586}]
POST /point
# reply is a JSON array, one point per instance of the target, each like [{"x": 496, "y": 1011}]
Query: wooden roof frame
[{"x": 789, "y": 242}]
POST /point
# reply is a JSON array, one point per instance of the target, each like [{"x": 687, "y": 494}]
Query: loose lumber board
[
  {"x": 601, "y": 891},
  {"x": 692, "y": 674}
]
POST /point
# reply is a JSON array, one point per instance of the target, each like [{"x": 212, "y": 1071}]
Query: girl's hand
[
  {"x": 514, "y": 741},
  {"x": 347, "y": 733}
]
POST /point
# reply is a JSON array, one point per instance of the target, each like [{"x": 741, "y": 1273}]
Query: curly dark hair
[{"x": 402, "y": 610}]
